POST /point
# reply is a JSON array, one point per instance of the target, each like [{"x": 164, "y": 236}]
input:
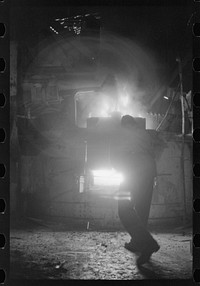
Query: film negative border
[
  {"x": 4, "y": 145},
  {"x": 196, "y": 142},
  {"x": 196, "y": 112},
  {"x": 4, "y": 142}
]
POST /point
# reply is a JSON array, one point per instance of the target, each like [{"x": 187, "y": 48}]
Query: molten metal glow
[
  {"x": 105, "y": 110},
  {"x": 109, "y": 106},
  {"x": 107, "y": 177}
]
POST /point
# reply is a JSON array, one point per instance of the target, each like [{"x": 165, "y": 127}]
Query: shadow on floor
[{"x": 151, "y": 270}]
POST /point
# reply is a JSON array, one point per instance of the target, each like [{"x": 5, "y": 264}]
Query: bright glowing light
[
  {"x": 124, "y": 100},
  {"x": 165, "y": 97},
  {"x": 105, "y": 110},
  {"x": 105, "y": 105},
  {"x": 104, "y": 113},
  {"x": 107, "y": 177},
  {"x": 53, "y": 29},
  {"x": 122, "y": 198}
]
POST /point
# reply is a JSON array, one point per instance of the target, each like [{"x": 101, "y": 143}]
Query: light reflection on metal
[
  {"x": 107, "y": 177},
  {"x": 51, "y": 28},
  {"x": 165, "y": 97}
]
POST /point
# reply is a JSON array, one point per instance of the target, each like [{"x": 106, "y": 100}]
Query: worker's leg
[
  {"x": 142, "y": 199},
  {"x": 134, "y": 214},
  {"x": 127, "y": 216},
  {"x": 142, "y": 187},
  {"x": 142, "y": 238},
  {"x": 141, "y": 205},
  {"x": 132, "y": 223}
]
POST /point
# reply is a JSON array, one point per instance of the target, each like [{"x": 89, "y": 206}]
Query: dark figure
[{"x": 134, "y": 159}]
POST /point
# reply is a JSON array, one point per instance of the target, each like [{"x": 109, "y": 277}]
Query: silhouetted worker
[{"x": 132, "y": 156}]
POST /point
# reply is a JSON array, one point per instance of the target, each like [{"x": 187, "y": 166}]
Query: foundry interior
[{"x": 75, "y": 71}]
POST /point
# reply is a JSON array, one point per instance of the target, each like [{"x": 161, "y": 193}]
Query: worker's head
[{"x": 128, "y": 122}]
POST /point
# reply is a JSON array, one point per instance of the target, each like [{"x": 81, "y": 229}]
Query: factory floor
[{"x": 39, "y": 251}]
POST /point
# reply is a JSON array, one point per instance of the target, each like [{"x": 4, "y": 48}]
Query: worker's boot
[
  {"x": 147, "y": 251},
  {"x": 133, "y": 246}
]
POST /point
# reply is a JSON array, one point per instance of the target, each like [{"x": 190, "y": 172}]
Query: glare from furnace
[
  {"x": 108, "y": 177},
  {"x": 121, "y": 105},
  {"x": 105, "y": 109},
  {"x": 125, "y": 100}
]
